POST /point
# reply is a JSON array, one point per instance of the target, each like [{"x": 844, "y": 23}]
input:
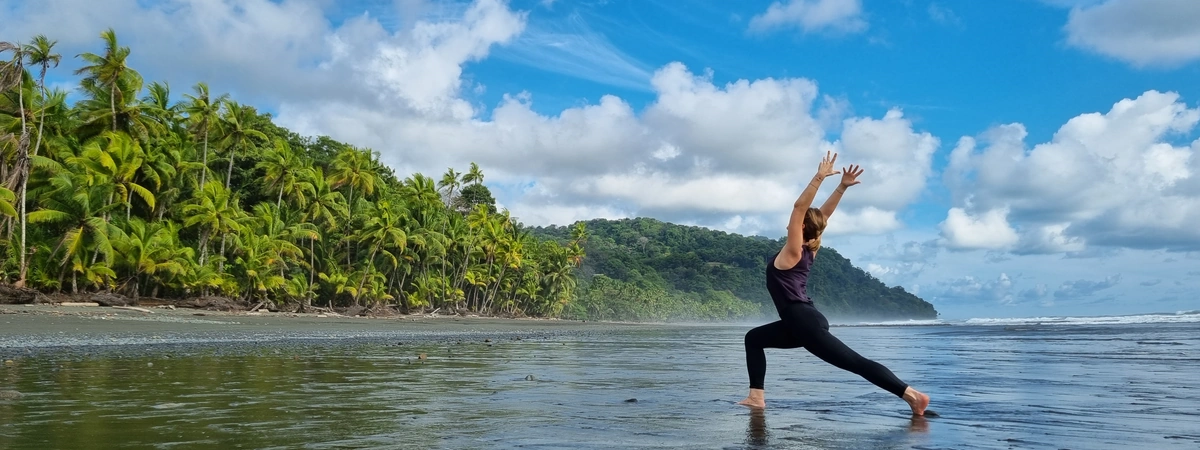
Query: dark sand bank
[{"x": 27, "y": 329}]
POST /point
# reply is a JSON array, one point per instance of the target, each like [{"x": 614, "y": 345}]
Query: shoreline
[
  {"x": 171, "y": 313},
  {"x": 30, "y": 330},
  {"x": 36, "y": 302}
]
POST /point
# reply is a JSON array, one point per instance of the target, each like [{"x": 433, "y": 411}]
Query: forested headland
[
  {"x": 138, "y": 192},
  {"x": 648, "y": 269}
]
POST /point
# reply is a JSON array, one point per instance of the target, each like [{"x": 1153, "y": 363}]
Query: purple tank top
[{"x": 790, "y": 285}]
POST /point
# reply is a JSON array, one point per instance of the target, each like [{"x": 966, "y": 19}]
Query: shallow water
[{"x": 1077, "y": 386}]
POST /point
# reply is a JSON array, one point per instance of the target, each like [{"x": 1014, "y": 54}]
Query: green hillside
[{"x": 647, "y": 269}]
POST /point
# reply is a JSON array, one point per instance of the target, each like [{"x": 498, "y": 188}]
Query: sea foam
[{"x": 1177, "y": 317}]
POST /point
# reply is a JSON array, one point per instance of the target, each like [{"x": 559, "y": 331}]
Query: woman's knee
[
  {"x": 752, "y": 338},
  {"x": 756, "y": 338}
]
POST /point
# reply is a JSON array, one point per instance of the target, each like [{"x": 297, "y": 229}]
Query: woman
[{"x": 801, "y": 325}]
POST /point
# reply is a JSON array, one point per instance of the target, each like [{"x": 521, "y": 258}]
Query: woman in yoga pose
[{"x": 800, "y": 324}]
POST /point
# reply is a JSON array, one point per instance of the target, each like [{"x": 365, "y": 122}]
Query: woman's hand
[
  {"x": 850, "y": 175},
  {"x": 826, "y": 167}
]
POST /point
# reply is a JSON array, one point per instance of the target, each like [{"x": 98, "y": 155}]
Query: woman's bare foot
[
  {"x": 756, "y": 399},
  {"x": 916, "y": 400}
]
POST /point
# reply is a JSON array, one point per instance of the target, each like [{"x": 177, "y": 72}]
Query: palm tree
[
  {"x": 282, "y": 173},
  {"x": 41, "y": 54},
  {"x": 12, "y": 74},
  {"x": 429, "y": 212},
  {"x": 213, "y": 211},
  {"x": 108, "y": 71},
  {"x": 159, "y": 107},
  {"x": 151, "y": 250},
  {"x": 382, "y": 229},
  {"x": 56, "y": 127},
  {"x": 266, "y": 246},
  {"x": 168, "y": 165},
  {"x": 204, "y": 112},
  {"x": 328, "y": 208},
  {"x": 118, "y": 158},
  {"x": 449, "y": 182},
  {"x": 579, "y": 236},
  {"x": 237, "y": 132},
  {"x": 474, "y": 175},
  {"x": 132, "y": 115},
  {"x": 353, "y": 168},
  {"x": 80, "y": 207}
]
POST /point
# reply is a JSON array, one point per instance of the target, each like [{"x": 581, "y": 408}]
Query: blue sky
[
  {"x": 955, "y": 67},
  {"x": 1023, "y": 157}
]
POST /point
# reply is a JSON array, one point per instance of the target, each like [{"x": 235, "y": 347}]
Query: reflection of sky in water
[{"x": 1039, "y": 387}]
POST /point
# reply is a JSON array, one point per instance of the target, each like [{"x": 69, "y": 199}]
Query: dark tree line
[{"x": 698, "y": 273}]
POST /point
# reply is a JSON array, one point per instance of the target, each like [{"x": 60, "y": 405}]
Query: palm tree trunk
[
  {"x": 112, "y": 103},
  {"x": 221, "y": 263},
  {"x": 42, "y": 119},
  {"x": 229, "y": 175},
  {"x": 370, "y": 267},
  {"x": 489, "y": 299},
  {"x": 312, "y": 268},
  {"x": 350, "y": 208},
  {"x": 204, "y": 170},
  {"x": 512, "y": 296},
  {"x": 22, "y": 167},
  {"x": 391, "y": 284},
  {"x": 203, "y": 247},
  {"x": 462, "y": 274},
  {"x": 425, "y": 276},
  {"x": 25, "y": 179},
  {"x": 24, "y": 265},
  {"x": 403, "y": 279},
  {"x": 490, "y": 262}
]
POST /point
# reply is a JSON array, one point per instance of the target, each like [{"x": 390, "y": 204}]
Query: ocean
[{"x": 126, "y": 381}]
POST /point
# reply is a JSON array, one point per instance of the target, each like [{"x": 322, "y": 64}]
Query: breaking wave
[{"x": 1177, "y": 317}]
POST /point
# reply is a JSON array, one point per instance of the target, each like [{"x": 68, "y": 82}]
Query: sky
[{"x": 1022, "y": 158}]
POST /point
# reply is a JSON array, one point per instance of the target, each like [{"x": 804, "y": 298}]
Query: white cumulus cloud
[
  {"x": 841, "y": 16},
  {"x": 1140, "y": 32},
  {"x": 1124, "y": 178},
  {"x": 989, "y": 230}
]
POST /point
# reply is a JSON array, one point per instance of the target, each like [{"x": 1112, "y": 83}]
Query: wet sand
[
  {"x": 105, "y": 378},
  {"x": 29, "y": 328}
]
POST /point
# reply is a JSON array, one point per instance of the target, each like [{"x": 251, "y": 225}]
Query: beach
[
  {"x": 79, "y": 377},
  {"x": 42, "y": 326}
]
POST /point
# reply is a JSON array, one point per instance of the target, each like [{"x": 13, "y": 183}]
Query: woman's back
[{"x": 790, "y": 285}]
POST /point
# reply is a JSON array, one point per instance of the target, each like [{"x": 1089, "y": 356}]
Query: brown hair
[{"x": 814, "y": 225}]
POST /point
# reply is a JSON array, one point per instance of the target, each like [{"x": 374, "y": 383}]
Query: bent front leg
[{"x": 772, "y": 335}]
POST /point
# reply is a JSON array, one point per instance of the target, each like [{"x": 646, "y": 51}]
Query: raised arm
[
  {"x": 794, "y": 245},
  {"x": 849, "y": 178}
]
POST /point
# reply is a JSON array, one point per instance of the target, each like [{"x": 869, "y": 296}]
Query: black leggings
[{"x": 804, "y": 326}]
